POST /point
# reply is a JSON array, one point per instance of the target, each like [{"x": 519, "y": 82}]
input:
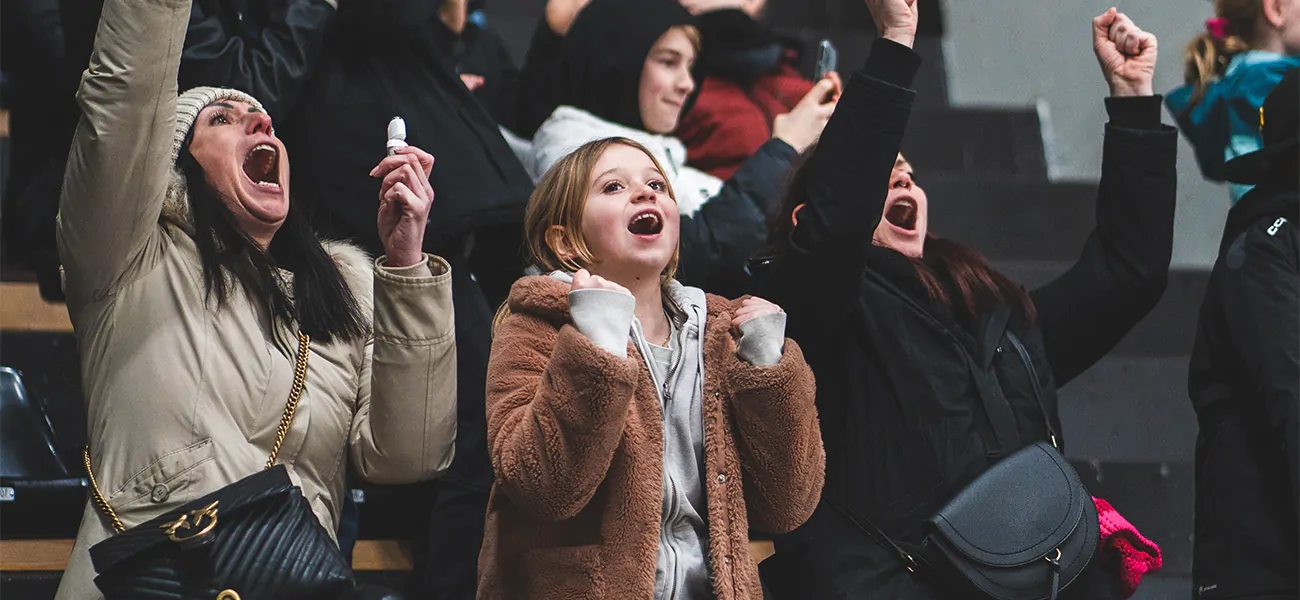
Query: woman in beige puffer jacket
[{"x": 187, "y": 304}]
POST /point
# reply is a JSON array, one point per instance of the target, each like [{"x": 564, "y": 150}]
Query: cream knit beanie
[{"x": 188, "y": 105}]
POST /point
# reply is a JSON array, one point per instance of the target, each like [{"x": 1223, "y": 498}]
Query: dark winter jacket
[
  {"x": 901, "y": 381},
  {"x": 1244, "y": 377},
  {"x": 750, "y": 76},
  {"x": 41, "y": 82},
  {"x": 387, "y": 58},
  {"x": 267, "y": 49},
  {"x": 480, "y": 51}
]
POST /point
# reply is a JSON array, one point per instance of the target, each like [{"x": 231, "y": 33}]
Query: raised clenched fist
[
  {"x": 584, "y": 280},
  {"x": 1126, "y": 53},
  {"x": 895, "y": 19}
]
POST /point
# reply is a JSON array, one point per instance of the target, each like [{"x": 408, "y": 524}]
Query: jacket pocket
[
  {"x": 564, "y": 573},
  {"x": 173, "y": 479}
]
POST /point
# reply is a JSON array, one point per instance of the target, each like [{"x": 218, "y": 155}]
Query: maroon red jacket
[{"x": 730, "y": 121}]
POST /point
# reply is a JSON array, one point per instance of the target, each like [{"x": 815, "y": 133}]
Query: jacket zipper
[
  {"x": 1033, "y": 380},
  {"x": 674, "y": 507}
]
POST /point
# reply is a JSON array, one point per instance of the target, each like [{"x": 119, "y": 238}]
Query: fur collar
[{"x": 358, "y": 271}]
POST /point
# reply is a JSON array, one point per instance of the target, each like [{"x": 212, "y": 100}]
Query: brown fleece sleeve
[
  {"x": 556, "y": 409},
  {"x": 779, "y": 439}
]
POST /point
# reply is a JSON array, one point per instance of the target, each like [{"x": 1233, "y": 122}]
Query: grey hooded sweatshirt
[{"x": 607, "y": 318}]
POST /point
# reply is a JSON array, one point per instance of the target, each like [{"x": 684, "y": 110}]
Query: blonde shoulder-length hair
[{"x": 553, "y": 220}]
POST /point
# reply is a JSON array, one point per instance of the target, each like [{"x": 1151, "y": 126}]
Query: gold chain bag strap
[
  {"x": 269, "y": 544},
  {"x": 295, "y": 394}
]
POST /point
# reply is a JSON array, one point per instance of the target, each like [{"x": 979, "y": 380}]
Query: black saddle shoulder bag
[
  {"x": 1025, "y": 529},
  {"x": 256, "y": 538}
]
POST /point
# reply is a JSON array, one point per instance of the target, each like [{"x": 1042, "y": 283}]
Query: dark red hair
[{"x": 978, "y": 285}]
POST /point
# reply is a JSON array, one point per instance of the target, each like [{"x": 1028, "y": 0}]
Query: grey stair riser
[
  {"x": 975, "y": 142},
  {"x": 1170, "y": 328},
  {"x": 1155, "y": 497},
  {"x": 845, "y": 14},
  {"x": 1012, "y": 219},
  {"x": 1130, "y": 409}
]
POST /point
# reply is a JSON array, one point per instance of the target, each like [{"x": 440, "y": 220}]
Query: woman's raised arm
[{"x": 120, "y": 164}]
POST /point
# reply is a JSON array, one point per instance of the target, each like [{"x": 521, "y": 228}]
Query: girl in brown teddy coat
[{"x": 637, "y": 427}]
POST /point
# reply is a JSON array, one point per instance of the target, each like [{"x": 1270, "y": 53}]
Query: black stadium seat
[{"x": 35, "y": 483}]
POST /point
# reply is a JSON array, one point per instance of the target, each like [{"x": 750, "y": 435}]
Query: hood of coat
[
  {"x": 605, "y": 51},
  {"x": 569, "y": 128}
]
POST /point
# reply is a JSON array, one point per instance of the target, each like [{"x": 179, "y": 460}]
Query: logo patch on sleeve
[{"x": 1272, "y": 230}]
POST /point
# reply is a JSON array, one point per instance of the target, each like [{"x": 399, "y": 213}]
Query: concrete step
[
  {"x": 1012, "y": 218},
  {"x": 1157, "y": 499},
  {"x": 1168, "y": 331},
  {"x": 946, "y": 141},
  {"x": 845, "y": 14},
  {"x": 1131, "y": 409}
]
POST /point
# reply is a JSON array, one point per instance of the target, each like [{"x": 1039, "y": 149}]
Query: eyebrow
[
  {"x": 252, "y": 109},
  {"x": 670, "y": 52}
]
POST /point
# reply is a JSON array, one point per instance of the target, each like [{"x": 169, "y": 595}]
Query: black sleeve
[
  {"x": 538, "y": 86},
  {"x": 272, "y": 65},
  {"x": 1124, "y": 266},
  {"x": 490, "y": 59},
  {"x": 818, "y": 272},
  {"x": 732, "y": 225},
  {"x": 1261, "y": 298}
]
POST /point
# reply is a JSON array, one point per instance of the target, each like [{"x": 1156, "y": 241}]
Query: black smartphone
[{"x": 827, "y": 59}]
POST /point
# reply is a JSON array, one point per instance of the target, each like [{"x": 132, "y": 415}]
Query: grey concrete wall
[{"x": 1037, "y": 53}]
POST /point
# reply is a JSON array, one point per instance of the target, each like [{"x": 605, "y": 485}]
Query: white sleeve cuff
[
  {"x": 604, "y": 316},
  {"x": 762, "y": 340}
]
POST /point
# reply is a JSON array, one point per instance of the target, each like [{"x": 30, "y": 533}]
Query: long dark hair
[
  {"x": 977, "y": 285},
  {"x": 322, "y": 304}
]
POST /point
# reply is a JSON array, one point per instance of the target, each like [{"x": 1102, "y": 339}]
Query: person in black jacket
[
  {"x": 1245, "y": 377},
  {"x": 267, "y": 49},
  {"x": 387, "y": 58},
  {"x": 905, "y": 330},
  {"x": 41, "y": 83}
]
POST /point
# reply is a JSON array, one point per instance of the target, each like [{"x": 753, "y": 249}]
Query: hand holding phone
[{"x": 827, "y": 59}]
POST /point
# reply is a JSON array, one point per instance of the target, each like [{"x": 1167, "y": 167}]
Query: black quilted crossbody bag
[{"x": 256, "y": 538}]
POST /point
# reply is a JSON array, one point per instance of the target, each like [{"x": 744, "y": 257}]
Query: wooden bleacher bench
[
  {"x": 52, "y": 555},
  {"x": 22, "y": 309}
]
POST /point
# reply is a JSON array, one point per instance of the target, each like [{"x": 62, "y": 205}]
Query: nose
[
  {"x": 256, "y": 122},
  {"x": 902, "y": 180},
  {"x": 644, "y": 193},
  {"x": 686, "y": 84}
]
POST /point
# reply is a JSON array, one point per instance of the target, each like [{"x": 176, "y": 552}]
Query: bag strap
[
  {"x": 876, "y": 533},
  {"x": 1038, "y": 388},
  {"x": 286, "y": 419}
]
